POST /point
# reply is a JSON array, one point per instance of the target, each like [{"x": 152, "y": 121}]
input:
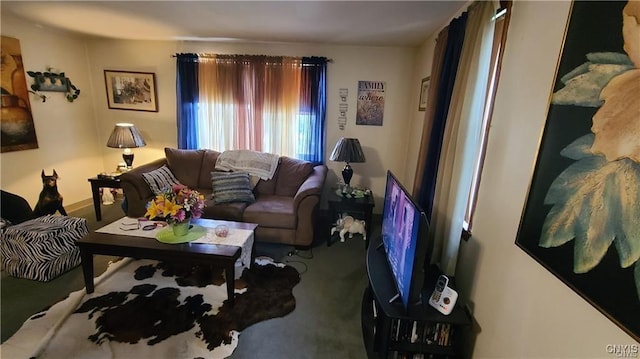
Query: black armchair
[{"x": 14, "y": 208}]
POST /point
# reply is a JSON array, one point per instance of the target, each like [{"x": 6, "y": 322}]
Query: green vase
[{"x": 180, "y": 229}]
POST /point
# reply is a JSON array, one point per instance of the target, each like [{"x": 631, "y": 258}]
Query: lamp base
[
  {"x": 347, "y": 173},
  {"x": 128, "y": 159}
]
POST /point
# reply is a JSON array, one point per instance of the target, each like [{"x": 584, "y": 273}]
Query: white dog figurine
[
  {"x": 338, "y": 227},
  {"x": 351, "y": 226}
]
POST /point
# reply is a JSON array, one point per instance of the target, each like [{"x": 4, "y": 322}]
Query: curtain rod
[{"x": 209, "y": 55}]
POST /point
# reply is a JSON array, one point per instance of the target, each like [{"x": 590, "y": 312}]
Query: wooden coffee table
[{"x": 149, "y": 248}]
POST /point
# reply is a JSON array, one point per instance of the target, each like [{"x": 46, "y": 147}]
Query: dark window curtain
[
  {"x": 187, "y": 98},
  {"x": 436, "y": 70},
  {"x": 314, "y": 102},
  {"x": 445, "y": 89}
]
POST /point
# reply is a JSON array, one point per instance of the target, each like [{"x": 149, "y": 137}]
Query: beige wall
[
  {"x": 157, "y": 128},
  {"x": 523, "y": 311},
  {"x": 66, "y": 132}
]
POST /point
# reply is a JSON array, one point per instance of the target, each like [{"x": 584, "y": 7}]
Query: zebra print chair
[{"x": 42, "y": 248}]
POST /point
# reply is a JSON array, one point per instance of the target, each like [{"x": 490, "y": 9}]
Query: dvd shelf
[
  {"x": 422, "y": 332},
  {"x": 419, "y": 332}
]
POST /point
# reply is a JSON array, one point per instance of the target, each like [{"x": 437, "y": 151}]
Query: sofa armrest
[
  {"x": 305, "y": 204},
  {"x": 135, "y": 188},
  {"x": 312, "y": 186}
]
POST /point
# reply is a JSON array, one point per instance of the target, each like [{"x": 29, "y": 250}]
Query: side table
[
  {"x": 96, "y": 184},
  {"x": 361, "y": 208}
]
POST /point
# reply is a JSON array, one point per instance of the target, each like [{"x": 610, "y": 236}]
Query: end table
[
  {"x": 360, "y": 208},
  {"x": 96, "y": 184}
]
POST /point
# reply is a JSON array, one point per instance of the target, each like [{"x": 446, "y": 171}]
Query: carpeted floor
[{"x": 325, "y": 323}]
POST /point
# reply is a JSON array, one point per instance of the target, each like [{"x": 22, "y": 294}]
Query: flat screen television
[{"x": 405, "y": 241}]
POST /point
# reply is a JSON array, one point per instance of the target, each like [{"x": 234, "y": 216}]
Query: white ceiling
[{"x": 372, "y": 23}]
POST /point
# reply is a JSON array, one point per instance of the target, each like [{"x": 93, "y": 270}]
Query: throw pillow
[
  {"x": 160, "y": 179},
  {"x": 231, "y": 187}
]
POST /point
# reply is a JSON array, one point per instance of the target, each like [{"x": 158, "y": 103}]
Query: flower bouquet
[{"x": 176, "y": 205}]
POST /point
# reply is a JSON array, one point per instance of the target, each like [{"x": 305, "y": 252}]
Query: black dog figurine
[{"x": 50, "y": 199}]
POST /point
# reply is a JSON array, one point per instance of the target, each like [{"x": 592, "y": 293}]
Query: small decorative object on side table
[
  {"x": 356, "y": 205},
  {"x": 102, "y": 181}
]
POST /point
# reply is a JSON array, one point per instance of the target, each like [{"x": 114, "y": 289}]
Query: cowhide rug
[{"x": 150, "y": 309}]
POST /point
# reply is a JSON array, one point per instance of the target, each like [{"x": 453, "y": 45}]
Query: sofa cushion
[
  {"x": 231, "y": 211},
  {"x": 208, "y": 165},
  {"x": 160, "y": 179},
  {"x": 271, "y": 211},
  {"x": 266, "y": 187},
  {"x": 231, "y": 187},
  {"x": 185, "y": 165},
  {"x": 291, "y": 174}
]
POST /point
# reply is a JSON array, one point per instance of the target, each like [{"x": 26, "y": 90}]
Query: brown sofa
[{"x": 285, "y": 207}]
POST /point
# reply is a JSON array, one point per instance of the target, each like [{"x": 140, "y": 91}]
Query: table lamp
[
  {"x": 127, "y": 136},
  {"x": 347, "y": 150}
]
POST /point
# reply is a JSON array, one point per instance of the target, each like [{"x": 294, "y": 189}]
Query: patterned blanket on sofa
[{"x": 259, "y": 164}]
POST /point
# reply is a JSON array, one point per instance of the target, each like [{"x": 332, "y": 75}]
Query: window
[
  {"x": 500, "y": 36},
  {"x": 262, "y": 103}
]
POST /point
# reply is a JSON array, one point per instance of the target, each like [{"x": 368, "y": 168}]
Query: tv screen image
[{"x": 404, "y": 240}]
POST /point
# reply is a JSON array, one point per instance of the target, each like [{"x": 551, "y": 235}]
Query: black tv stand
[{"x": 387, "y": 327}]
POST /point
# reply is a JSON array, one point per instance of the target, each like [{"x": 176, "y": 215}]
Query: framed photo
[
  {"x": 127, "y": 90},
  {"x": 580, "y": 219},
  {"x": 424, "y": 93}
]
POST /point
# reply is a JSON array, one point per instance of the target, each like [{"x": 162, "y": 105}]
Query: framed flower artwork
[{"x": 580, "y": 220}]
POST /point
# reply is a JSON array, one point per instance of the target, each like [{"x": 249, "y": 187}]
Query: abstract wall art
[{"x": 582, "y": 214}]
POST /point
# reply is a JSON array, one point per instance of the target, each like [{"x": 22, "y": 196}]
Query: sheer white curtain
[
  {"x": 462, "y": 135},
  {"x": 218, "y": 107},
  {"x": 250, "y": 102}
]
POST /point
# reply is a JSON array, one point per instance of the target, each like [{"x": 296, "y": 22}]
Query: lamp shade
[
  {"x": 348, "y": 150},
  {"x": 125, "y": 135}
]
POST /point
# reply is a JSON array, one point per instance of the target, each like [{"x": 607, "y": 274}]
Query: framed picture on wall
[
  {"x": 370, "y": 110},
  {"x": 580, "y": 220},
  {"x": 18, "y": 128},
  {"x": 127, "y": 90},
  {"x": 424, "y": 93}
]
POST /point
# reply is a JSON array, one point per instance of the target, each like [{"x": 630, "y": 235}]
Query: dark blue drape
[
  {"x": 445, "y": 90},
  {"x": 314, "y": 101},
  {"x": 187, "y": 98}
]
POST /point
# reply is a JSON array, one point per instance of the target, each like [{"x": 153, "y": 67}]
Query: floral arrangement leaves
[{"x": 596, "y": 202}]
